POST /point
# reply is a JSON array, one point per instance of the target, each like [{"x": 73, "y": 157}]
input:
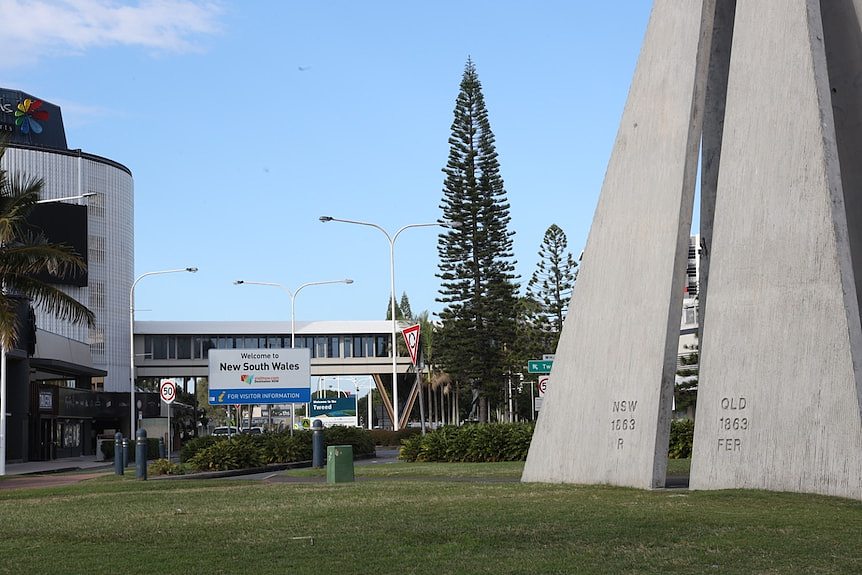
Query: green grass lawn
[{"x": 421, "y": 518}]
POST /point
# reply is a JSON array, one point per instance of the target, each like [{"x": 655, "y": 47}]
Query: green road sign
[{"x": 539, "y": 365}]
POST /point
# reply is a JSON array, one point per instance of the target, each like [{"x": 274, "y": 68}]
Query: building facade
[
  {"x": 110, "y": 227},
  {"x": 69, "y": 383}
]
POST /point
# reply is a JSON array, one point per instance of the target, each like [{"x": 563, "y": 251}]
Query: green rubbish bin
[{"x": 339, "y": 464}]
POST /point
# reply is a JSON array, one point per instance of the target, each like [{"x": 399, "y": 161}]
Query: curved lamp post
[
  {"x": 392, "y": 238},
  {"x": 132, "y": 405},
  {"x": 292, "y": 295}
]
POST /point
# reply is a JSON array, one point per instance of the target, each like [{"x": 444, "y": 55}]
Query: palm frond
[
  {"x": 8, "y": 321},
  {"x": 18, "y": 196},
  {"x": 52, "y": 300},
  {"x": 36, "y": 255},
  {"x": 24, "y": 255}
]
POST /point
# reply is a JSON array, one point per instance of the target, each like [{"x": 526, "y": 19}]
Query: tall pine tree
[
  {"x": 551, "y": 285},
  {"x": 478, "y": 283}
]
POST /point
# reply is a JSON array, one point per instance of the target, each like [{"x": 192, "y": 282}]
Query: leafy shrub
[
  {"x": 471, "y": 443},
  {"x": 282, "y": 448},
  {"x": 506, "y": 442},
  {"x": 410, "y": 448},
  {"x": 235, "y": 453},
  {"x": 165, "y": 467},
  {"x": 245, "y": 451},
  {"x": 191, "y": 447},
  {"x": 681, "y": 438}
]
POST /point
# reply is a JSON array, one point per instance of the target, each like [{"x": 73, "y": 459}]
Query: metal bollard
[
  {"x": 317, "y": 454},
  {"x": 141, "y": 455},
  {"x": 125, "y": 452},
  {"x": 161, "y": 448},
  {"x": 118, "y": 453}
]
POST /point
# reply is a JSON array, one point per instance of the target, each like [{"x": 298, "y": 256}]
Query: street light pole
[
  {"x": 3, "y": 350},
  {"x": 67, "y": 198},
  {"x": 391, "y": 239},
  {"x": 132, "y": 405},
  {"x": 293, "y": 295}
]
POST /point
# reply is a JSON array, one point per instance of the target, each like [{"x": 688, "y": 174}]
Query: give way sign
[
  {"x": 168, "y": 390},
  {"x": 411, "y": 338}
]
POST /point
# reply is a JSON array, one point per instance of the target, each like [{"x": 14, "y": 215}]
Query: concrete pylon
[
  {"x": 606, "y": 414},
  {"x": 780, "y": 388},
  {"x": 780, "y": 393}
]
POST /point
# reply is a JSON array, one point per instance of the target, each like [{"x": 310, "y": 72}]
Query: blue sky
[{"x": 243, "y": 122}]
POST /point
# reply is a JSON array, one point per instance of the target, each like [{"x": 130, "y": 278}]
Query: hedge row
[
  {"x": 506, "y": 442},
  {"x": 471, "y": 443},
  {"x": 247, "y": 451}
]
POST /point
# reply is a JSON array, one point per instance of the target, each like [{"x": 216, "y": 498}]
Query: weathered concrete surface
[
  {"x": 713, "y": 127},
  {"x": 843, "y": 39},
  {"x": 605, "y": 418},
  {"x": 778, "y": 404}
]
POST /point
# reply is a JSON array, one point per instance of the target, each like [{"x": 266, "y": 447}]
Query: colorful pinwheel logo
[
  {"x": 28, "y": 115},
  {"x": 249, "y": 379}
]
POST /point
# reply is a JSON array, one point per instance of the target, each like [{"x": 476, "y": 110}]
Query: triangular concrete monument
[
  {"x": 780, "y": 387},
  {"x": 779, "y": 396},
  {"x": 606, "y": 414}
]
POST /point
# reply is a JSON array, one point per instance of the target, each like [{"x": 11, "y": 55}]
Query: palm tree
[{"x": 25, "y": 254}]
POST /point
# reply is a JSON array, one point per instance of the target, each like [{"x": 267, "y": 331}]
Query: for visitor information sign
[{"x": 259, "y": 376}]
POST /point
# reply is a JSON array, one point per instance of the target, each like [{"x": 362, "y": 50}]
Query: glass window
[
  {"x": 334, "y": 348},
  {"x": 97, "y": 294},
  {"x": 273, "y": 342},
  {"x": 184, "y": 347},
  {"x": 160, "y": 347},
  {"x": 348, "y": 346},
  {"x": 96, "y": 205},
  {"x": 172, "y": 347},
  {"x": 96, "y": 245},
  {"x": 368, "y": 346},
  {"x": 381, "y": 347},
  {"x": 320, "y": 346},
  {"x": 358, "y": 348},
  {"x": 207, "y": 344}
]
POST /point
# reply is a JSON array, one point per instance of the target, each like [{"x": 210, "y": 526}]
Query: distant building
[{"x": 690, "y": 320}]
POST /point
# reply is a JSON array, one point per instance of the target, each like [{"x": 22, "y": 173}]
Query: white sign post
[{"x": 168, "y": 393}]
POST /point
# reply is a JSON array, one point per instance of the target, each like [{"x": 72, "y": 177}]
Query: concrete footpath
[
  {"x": 57, "y": 465},
  {"x": 54, "y": 473}
]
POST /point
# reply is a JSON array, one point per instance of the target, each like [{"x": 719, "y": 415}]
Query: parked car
[
  {"x": 252, "y": 430},
  {"x": 223, "y": 431}
]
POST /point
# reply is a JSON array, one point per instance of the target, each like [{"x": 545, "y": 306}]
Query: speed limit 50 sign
[
  {"x": 168, "y": 390},
  {"x": 542, "y": 384}
]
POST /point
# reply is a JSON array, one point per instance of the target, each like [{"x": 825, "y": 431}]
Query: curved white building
[{"x": 110, "y": 226}]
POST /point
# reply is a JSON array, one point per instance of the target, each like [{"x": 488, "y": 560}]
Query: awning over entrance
[{"x": 51, "y": 368}]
